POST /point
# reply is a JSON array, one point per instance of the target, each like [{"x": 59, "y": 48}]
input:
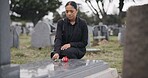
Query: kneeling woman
[{"x": 71, "y": 35}]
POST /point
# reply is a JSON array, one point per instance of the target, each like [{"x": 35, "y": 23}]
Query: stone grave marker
[
  {"x": 14, "y": 37},
  {"x": 18, "y": 29},
  {"x": 75, "y": 68},
  {"x": 41, "y": 37},
  {"x": 100, "y": 32},
  {"x": 104, "y": 31},
  {"x": 89, "y": 33},
  {"x": 115, "y": 31},
  {"x": 121, "y": 36},
  {"x": 135, "y": 63},
  {"x": 96, "y": 32},
  {"x": 7, "y": 70}
]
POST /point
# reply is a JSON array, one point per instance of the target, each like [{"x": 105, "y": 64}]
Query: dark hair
[{"x": 72, "y": 3}]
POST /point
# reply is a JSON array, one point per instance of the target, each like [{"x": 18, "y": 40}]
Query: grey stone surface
[
  {"x": 14, "y": 36},
  {"x": 4, "y": 32},
  {"x": 9, "y": 71},
  {"x": 18, "y": 29},
  {"x": 41, "y": 37},
  {"x": 100, "y": 32},
  {"x": 92, "y": 50},
  {"x": 115, "y": 31},
  {"x": 89, "y": 42},
  {"x": 6, "y": 70},
  {"x": 75, "y": 68},
  {"x": 121, "y": 35},
  {"x": 135, "y": 63}
]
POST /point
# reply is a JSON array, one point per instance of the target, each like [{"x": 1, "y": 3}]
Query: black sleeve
[
  {"x": 58, "y": 37},
  {"x": 84, "y": 40}
]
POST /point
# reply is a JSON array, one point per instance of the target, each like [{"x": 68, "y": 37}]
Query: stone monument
[
  {"x": 7, "y": 70},
  {"x": 14, "y": 36},
  {"x": 136, "y": 48},
  {"x": 74, "y": 68},
  {"x": 41, "y": 37}
]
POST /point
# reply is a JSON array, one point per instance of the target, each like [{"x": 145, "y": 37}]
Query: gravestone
[
  {"x": 135, "y": 63},
  {"x": 104, "y": 31},
  {"x": 31, "y": 30},
  {"x": 7, "y": 70},
  {"x": 115, "y": 31},
  {"x": 121, "y": 36},
  {"x": 41, "y": 37},
  {"x": 18, "y": 29},
  {"x": 96, "y": 32},
  {"x": 14, "y": 36},
  {"x": 89, "y": 33},
  {"x": 75, "y": 68},
  {"x": 27, "y": 30},
  {"x": 100, "y": 32}
]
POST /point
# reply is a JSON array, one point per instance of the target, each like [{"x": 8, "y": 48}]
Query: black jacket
[{"x": 78, "y": 38}]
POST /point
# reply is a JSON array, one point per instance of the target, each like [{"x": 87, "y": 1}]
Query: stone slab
[
  {"x": 108, "y": 73},
  {"x": 75, "y": 68},
  {"x": 92, "y": 50},
  {"x": 10, "y": 71}
]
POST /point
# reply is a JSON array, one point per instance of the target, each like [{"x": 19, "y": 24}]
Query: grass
[
  {"x": 27, "y": 54},
  {"x": 111, "y": 52}
]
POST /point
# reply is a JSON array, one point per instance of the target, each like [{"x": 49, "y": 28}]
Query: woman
[{"x": 71, "y": 35}]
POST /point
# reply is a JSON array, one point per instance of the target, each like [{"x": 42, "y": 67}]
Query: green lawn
[{"x": 111, "y": 52}]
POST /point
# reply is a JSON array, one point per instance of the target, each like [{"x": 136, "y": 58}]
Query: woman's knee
[{"x": 70, "y": 52}]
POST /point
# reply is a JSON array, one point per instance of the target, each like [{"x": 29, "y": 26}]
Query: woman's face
[{"x": 71, "y": 12}]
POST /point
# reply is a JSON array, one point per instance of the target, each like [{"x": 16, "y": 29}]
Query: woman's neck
[{"x": 73, "y": 21}]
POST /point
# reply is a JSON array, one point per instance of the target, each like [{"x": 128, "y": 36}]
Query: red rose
[{"x": 65, "y": 59}]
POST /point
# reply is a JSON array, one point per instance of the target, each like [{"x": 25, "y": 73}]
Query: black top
[{"x": 76, "y": 35}]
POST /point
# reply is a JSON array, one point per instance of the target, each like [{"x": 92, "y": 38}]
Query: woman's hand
[
  {"x": 66, "y": 46},
  {"x": 55, "y": 56}
]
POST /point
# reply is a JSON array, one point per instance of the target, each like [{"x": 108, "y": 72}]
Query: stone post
[
  {"x": 136, "y": 48},
  {"x": 7, "y": 70},
  {"x": 4, "y": 32}
]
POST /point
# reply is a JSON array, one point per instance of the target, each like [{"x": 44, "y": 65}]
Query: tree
[
  {"x": 121, "y": 13},
  {"x": 56, "y": 17},
  {"x": 98, "y": 11},
  {"x": 121, "y": 4},
  {"x": 32, "y": 10}
]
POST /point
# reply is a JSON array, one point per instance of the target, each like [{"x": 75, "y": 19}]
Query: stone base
[
  {"x": 108, "y": 73},
  {"x": 10, "y": 71},
  {"x": 92, "y": 50}
]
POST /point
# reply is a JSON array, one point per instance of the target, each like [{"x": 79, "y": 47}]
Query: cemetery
[{"x": 25, "y": 49}]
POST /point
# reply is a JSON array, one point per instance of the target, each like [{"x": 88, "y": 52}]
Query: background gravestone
[
  {"x": 104, "y": 31},
  {"x": 18, "y": 29},
  {"x": 41, "y": 38},
  {"x": 96, "y": 33},
  {"x": 100, "y": 32},
  {"x": 136, "y": 49},
  {"x": 115, "y": 31},
  {"x": 121, "y": 36},
  {"x": 14, "y": 36}
]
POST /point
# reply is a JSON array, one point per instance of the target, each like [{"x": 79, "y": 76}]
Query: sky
[{"x": 113, "y": 7}]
